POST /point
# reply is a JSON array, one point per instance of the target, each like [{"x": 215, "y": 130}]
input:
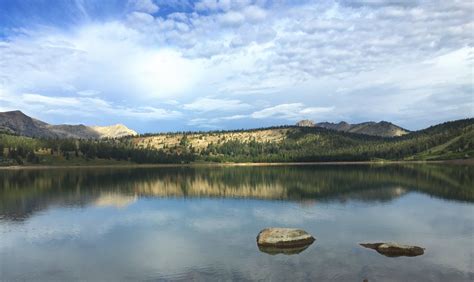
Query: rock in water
[
  {"x": 395, "y": 250},
  {"x": 284, "y": 238}
]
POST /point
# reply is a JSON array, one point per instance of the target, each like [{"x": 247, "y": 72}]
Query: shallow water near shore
[{"x": 201, "y": 223}]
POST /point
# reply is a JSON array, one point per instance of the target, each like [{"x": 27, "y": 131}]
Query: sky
[{"x": 164, "y": 65}]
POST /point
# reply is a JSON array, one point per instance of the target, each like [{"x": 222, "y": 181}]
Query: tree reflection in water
[{"x": 23, "y": 192}]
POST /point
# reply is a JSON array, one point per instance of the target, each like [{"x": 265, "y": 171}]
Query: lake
[{"x": 201, "y": 223}]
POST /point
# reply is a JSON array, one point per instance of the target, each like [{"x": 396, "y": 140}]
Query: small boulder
[
  {"x": 284, "y": 238},
  {"x": 395, "y": 250}
]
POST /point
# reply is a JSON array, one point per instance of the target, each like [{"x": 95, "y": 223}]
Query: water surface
[{"x": 200, "y": 223}]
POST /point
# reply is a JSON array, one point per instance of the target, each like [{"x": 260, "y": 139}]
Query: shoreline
[{"x": 131, "y": 165}]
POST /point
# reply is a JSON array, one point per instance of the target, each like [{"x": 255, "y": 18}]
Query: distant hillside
[
  {"x": 202, "y": 140},
  {"x": 16, "y": 122},
  {"x": 305, "y": 143},
  {"x": 450, "y": 140},
  {"x": 383, "y": 128}
]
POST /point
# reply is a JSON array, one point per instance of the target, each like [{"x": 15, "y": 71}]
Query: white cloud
[
  {"x": 231, "y": 18},
  {"x": 165, "y": 73},
  {"x": 213, "y": 5},
  {"x": 254, "y": 13},
  {"x": 50, "y": 101},
  {"x": 212, "y": 104},
  {"x": 146, "y": 6},
  {"x": 204, "y": 123},
  {"x": 111, "y": 58},
  {"x": 346, "y": 54},
  {"x": 235, "y": 117},
  {"x": 88, "y": 92},
  {"x": 139, "y": 18},
  {"x": 146, "y": 113},
  {"x": 291, "y": 111},
  {"x": 83, "y": 106}
]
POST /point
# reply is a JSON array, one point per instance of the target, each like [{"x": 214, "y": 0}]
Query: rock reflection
[{"x": 284, "y": 251}]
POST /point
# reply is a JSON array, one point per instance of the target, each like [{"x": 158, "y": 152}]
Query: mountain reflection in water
[{"x": 23, "y": 192}]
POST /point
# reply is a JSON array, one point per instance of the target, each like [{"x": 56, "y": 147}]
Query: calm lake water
[{"x": 201, "y": 223}]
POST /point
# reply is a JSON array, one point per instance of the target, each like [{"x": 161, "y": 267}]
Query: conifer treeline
[{"x": 302, "y": 144}]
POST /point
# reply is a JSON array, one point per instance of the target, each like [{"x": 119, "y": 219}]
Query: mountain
[
  {"x": 450, "y": 140},
  {"x": 16, "y": 122},
  {"x": 383, "y": 128},
  {"x": 114, "y": 131}
]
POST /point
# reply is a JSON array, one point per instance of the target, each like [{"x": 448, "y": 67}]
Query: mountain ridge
[
  {"x": 382, "y": 128},
  {"x": 283, "y": 144},
  {"x": 16, "y": 122}
]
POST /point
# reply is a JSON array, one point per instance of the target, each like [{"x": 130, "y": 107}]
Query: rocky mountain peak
[
  {"x": 305, "y": 123},
  {"x": 382, "y": 128},
  {"x": 16, "y": 122}
]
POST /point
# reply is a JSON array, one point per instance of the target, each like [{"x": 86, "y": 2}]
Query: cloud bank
[{"x": 179, "y": 65}]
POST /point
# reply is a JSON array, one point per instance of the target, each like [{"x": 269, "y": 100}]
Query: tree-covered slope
[
  {"x": 450, "y": 140},
  {"x": 295, "y": 144}
]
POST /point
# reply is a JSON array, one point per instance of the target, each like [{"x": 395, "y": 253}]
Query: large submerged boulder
[
  {"x": 395, "y": 250},
  {"x": 284, "y": 238}
]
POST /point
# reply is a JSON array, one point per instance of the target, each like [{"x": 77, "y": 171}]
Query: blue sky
[{"x": 158, "y": 65}]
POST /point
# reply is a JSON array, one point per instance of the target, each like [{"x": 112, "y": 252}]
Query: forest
[{"x": 450, "y": 140}]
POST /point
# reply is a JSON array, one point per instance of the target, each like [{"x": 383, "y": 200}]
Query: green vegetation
[
  {"x": 18, "y": 150},
  {"x": 451, "y": 140}
]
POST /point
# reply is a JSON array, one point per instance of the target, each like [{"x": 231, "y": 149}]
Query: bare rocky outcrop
[
  {"x": 114, "y": 131},
  {"x": 305, "y": 123},
  {"x": 395, "y": 249},
  {"x": 284, "y": 238}
]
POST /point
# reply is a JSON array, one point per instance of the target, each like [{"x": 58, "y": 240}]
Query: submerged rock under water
[{"x": 283, "y": 240}]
